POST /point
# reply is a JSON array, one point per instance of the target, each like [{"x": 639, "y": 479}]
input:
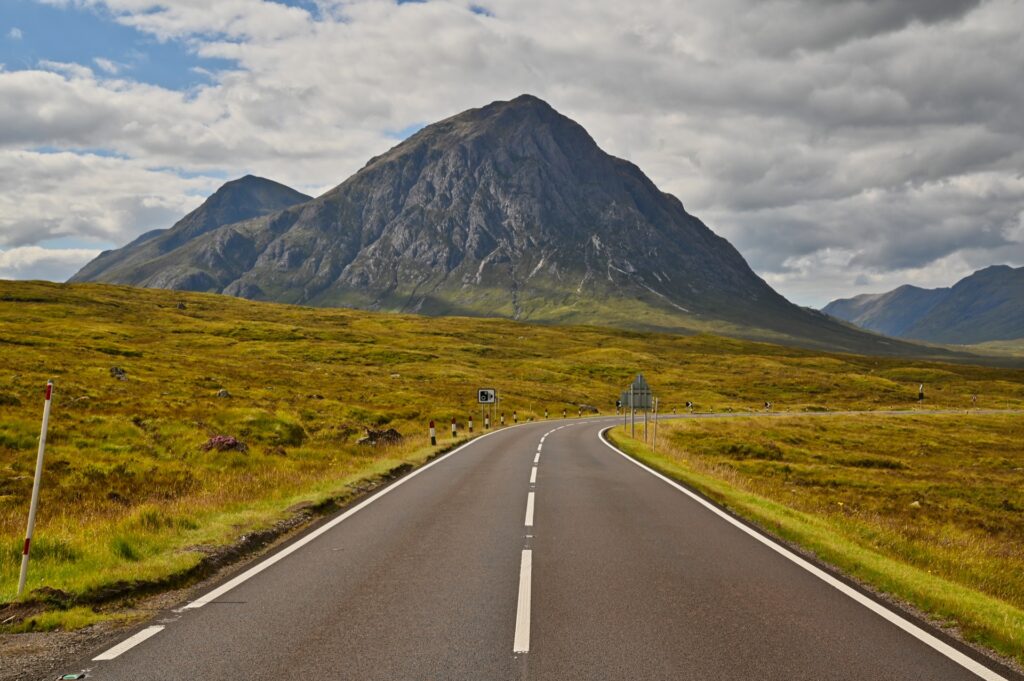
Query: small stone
[
  {"x": 223, "y": 393},
  {"x": 181, "y": 305},
  {"x": 915, "y": 504},
  {"x": 118, "y": 373}
]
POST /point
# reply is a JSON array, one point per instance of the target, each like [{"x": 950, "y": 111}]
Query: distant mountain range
[
  {"x": 985, "y": 306},
  {"x": 509, "y": 210}
]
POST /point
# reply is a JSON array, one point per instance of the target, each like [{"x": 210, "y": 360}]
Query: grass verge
[{"x": 956, "y": 557}]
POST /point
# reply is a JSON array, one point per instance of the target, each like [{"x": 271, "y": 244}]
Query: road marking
[
  {"x": 917, "y": 632},
  {"x": 540, "y": 446},
  {"x": 529, "y": 508},
  {"x": 326, "y": 527},
  {"x": 129, "y": 643},
  {"x": 533, "y": 476},
  {"x": 536, "y": 458},
  {"x": 521, "y": 644}
]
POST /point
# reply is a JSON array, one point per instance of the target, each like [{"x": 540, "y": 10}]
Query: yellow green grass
[
  {"x": 929, "y": 508},
  {"x": 129, "y": 495}
]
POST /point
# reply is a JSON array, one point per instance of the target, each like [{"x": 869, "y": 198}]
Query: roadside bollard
[
  {"x": 470, "y": 424},
  {"x": 36, "y": 482},
  {"x": 581, "y": 412},
  {"x": 454, "y": 429},
  {"x": 563, "y": 413},
  {"x": 545, "y": 413},
  {"x": 515, "y": 417},
  {"x": 502, "y": 419},
  {"x": 433, "y": 434},
  {"x": 487, "y": 422}
]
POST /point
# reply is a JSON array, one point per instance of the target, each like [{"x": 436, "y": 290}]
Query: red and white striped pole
[
  {"x": 433, "y": 433},
  {"x": 34, "y": 505},
  {"x": 470, "y": 423},
  {"x": 454, "y": 429}
]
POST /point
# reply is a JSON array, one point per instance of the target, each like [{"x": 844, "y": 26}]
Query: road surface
[{"x": 534, "y": 552}]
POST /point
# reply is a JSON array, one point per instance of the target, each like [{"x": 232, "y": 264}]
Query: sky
[{"x": 843, "y": 146}]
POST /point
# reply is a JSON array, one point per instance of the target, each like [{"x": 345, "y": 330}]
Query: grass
[
  {"x": 128, "y": 493},
  {"x": 929, "y": 508}
]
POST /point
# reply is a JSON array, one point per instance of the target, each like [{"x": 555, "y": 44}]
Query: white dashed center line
[
  {"x": 533, "y": 476},
  {"x": 529, "y": 509}
]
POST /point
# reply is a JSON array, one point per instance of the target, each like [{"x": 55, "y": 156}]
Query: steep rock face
[
  {"x": 240, "y": 199},
  {"x": 987, "y": 305},
  {"x": 507, "y": 210}
]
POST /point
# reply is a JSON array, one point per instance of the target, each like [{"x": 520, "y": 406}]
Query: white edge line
[
  {"x": 129, "y": 643},
  {"x": 326, "y": 527},
  {"x": 521, "y": 642},
  {"x": 917, "y": 632},
  {"x": 529, "y": 509}
]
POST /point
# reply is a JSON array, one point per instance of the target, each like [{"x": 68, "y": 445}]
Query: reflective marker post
[
  {"x": 433, "y": 434},
  {"x": 34, "y": 506}
]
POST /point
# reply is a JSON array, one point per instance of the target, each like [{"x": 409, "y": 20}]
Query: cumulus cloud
[
  {"x": 49, "y": 264},
  {"x": 106, "y": 200},
  {"x": 839, "y": 144},
  {"x": 15, "y": 33}
]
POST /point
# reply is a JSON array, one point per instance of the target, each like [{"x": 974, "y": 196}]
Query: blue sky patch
[{"x": 81, "y": 36}]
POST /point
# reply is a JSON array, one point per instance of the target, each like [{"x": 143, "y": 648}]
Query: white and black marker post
[
  {"x": 471, "y": 423},
  {"x": 433, "y": 433},
  {"x": 34, "y": 505},
  {"x": 515, "y": 416},
  {"x": 454, "y": 429}
]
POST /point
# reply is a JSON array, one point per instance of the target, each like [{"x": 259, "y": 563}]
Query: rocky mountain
[
  {"x": 238, "y": 200},
  {"x": 507, "y": 210},
  {"x": 985, "y": 306}
]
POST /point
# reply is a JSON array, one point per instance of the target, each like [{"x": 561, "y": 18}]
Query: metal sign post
[
  {"x": 34, "y": 504},
  {"x": 654, "y": 439}
]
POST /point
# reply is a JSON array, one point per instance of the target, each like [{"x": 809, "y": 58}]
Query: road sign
[
  {"x": 486, "y": 395},
  {"x": 638, "y": 395}
]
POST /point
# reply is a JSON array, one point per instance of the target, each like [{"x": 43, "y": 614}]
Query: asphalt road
[{"x": 517, "y": 557}]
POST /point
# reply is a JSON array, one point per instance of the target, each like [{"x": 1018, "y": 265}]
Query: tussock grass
[
  {"x": 929, "y": 508},
  {"x": 129, "y": 494}
]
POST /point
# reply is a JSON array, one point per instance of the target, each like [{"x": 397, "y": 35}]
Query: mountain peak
[{"x": 508, "y": 210}]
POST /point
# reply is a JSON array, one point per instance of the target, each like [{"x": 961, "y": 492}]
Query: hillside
[
  {"x": 985, "y": 306},
  {"x": 241, "y": 199},
  {"x": 510, "y": 210},
  {"x": 130, "y": 494}
]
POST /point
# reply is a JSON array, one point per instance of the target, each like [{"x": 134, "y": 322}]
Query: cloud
[
  {"x": 50, "y": 264},
  {"x": 838, "y": 144},
  {"x": 15, "y": 33},
  {"x": 87, "y": 197}
]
